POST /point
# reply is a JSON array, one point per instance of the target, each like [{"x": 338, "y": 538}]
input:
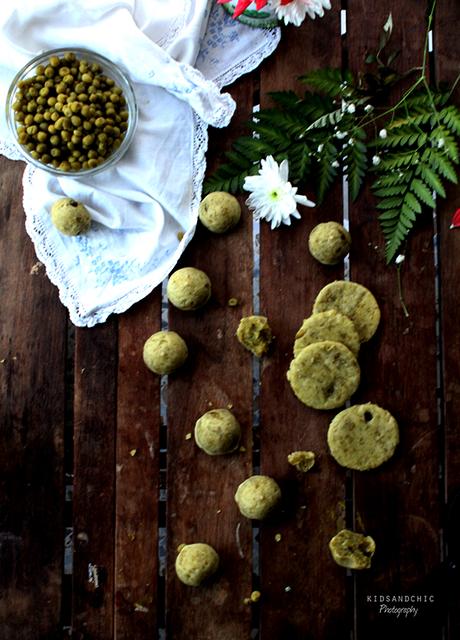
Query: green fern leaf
[
  {"x": 332, "y": 82},
  {"x": 326, "y": 171},
  {"x": 423, "y": 193}
]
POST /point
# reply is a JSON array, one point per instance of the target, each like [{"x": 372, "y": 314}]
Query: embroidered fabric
[{"x": 95, "y": 276}]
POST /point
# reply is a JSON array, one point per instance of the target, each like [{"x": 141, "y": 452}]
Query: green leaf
[{"x": 422, "y": 192}]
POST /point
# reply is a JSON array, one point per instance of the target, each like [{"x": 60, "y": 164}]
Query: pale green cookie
[
  {"x": 257, "y": 496},
  {"x": 352, "y": 550},
  {"x": 188, "y": 288},
  {"x": 217, "y": 432},
  {"x": 195, "y": 563},
  {"x": 329, "y": 242},
  {"x": 352, "y": 300},
  {"x": 327, "y": 325},
  {"x": 254, "y": 334},
  {"x": 324, "y": 375},
  {"x": 363, "y": 436}
]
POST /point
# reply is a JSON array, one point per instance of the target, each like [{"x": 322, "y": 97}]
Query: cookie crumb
[
  {"x": 242, "y": 449},
  {"x": 230, "y": 406},
  {"x": 278, "y": 537},
  {"x": 255, "y": 596},
  {"x": 232, "y": 302},
  {"x": 36, "y": 268},
  {"x": 287, "y": 589},
  {"x": 219, "y": 511},
  {"x": 133, "y": 452},
  {"x": 302, "y": 460},
  {"x": 180, "y": 235},
  {"x": 140, "y": 608},
  {"x": 188, "y": 436},
  {"x": 247, "y": 601}
]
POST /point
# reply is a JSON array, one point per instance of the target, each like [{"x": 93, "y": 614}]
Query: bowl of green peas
[{"x": 71, "y": 112}]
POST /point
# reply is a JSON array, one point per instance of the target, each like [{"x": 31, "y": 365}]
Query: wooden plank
[
  {"x": 398, "y": 504},
  {"x": 201, "y": 488},
  {"x": 447, "y": 52},
  {"x": 94, "y": 479},
  {"x": 137, "y": 478},
  {"x": 304, "y": 595},
  {"x": 32, "y": 366}
]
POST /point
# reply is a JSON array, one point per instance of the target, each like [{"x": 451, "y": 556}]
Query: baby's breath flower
[
  {"x": 376, "y": 161},
  {"x": 340, "y": 134},
  {"x": 351, "y": 108},
  {"x": 335, "y": 164},
  {"x": 320, "y": 147},
  {"x": 368, "y": 108},
  {"x": 400, "y": 259},
  {"x": 383, "y": 134}
]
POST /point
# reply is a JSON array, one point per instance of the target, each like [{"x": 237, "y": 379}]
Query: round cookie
[
  {"x": 219, "y": 211},
  {"x": 324, "y": 375},
  {"x": 352, "y": 550},
  {"x": 164, "y": 352},
  {"x": 195, "y": 563},
  {"x": 70, "y": 217},
  {"x": 217, "y": 432},
  {"x": 327, "y": 325},
  {"x": 363, "y": 436},
  {"x": 257, "y": 496},
  {"x": 352, "y": 300},
  {"x": 188, "y": 289},
  {"x": 329, "y": 242}
]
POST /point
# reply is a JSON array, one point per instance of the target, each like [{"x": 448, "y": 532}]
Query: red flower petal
[
  {"x": 455, "y": 220},
  {"x": 241, "y": 6},
  {"x": 260, "y": 4}
]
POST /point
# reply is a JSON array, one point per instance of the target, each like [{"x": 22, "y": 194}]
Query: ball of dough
[
  {"x": 195, "y": 563},
  {"x": 70, "y": 217},
  {"x": 217, "y": 432},
  {"x": 329, "y": 242},
  {"x": 188, "y": 288},
  {"x": 219, "y": 211},
  {"x": 257, "y": 496},
  {"x": 164, "y": 352}
]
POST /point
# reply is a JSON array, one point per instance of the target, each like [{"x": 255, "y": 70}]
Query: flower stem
[{"x": 400, "y": 291}]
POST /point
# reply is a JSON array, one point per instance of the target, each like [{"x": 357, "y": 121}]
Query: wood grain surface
[
  {"x": 137, "y": 475},
  {"x": 32, "y": 365},
  {"x": 95, "y": 411},
  {"x": 447, "y": 55},
  {"x": 399, "y": 503},
  {"x": 141, "y": 486},
  {"x": 200, "y": 488},
  {"x": 314, "y": 503}
]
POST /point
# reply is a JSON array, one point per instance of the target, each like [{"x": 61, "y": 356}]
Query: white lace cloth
[{"x": 179, "y": 54}]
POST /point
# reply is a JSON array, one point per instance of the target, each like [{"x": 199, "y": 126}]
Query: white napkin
[{"x": 145, "y": 208}]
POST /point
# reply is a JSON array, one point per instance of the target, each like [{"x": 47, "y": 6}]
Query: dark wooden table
[{"x": 99, "y": 483}]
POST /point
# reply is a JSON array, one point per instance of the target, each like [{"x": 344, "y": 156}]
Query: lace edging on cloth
[{"x": 44, "y": 248}]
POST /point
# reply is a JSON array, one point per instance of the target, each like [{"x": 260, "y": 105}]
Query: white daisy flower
[
  {"x": 273, "y": 198},
  {"x": 294, "y": 12}
]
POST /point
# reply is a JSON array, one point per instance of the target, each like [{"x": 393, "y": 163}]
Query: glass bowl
[{"x": 80, "y": 126}]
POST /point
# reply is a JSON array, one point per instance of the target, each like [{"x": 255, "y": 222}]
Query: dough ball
[
  {"x": 217, "y": 432},
  {"x": 70, "y": 217},
  {"x": 219, "y": 211},
  {"x": 164, "y": 352},
  {"x": 188, "y": 288},
  {"x": 254, "y": 334},
  {"x": 257, "y": 496},
  {"x": 352, "y": 550},
  {"x": 195, "y": 563},
  {"x": 329, "y": 242}
]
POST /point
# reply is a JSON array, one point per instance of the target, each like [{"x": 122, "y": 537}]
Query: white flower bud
[
  {"x": 400, "y": 259},
  {"x": 376, "y": 161},
  {"x": 351, "y": 108},
  {"x": 383, "y": 134},
  {"x": 320, "y": 148}
]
